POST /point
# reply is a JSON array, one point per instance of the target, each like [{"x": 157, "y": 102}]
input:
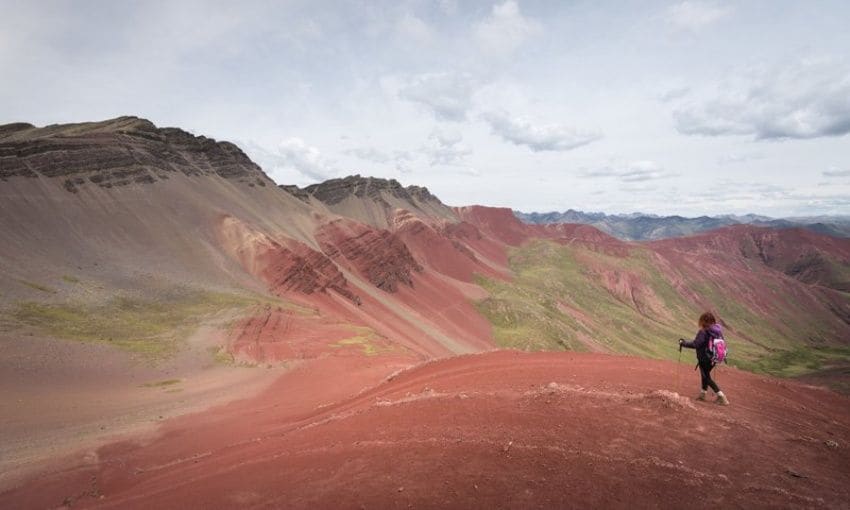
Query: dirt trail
[{"x": 494, "y": 430}]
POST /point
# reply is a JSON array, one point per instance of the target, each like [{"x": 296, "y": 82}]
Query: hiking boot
[
  {"x": 721, "y": 399},
  {"x": 701, "y": 396}
]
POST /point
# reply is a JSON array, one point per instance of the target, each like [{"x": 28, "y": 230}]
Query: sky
[{"x": 667, "y": 107}]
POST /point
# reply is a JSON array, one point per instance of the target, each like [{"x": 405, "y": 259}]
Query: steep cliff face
[{"x": 119, "y": 152}]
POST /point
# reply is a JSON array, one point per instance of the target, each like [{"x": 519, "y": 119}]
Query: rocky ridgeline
[
  {"x": 118, "y": 152},
  {"x": 334, "y": 191}
]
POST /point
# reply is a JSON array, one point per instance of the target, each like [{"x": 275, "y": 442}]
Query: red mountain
[{"x": 143, "y": 268}]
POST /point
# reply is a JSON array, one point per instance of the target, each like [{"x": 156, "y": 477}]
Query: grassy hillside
[
  {"x": 151, "y": 327},
  {"x": 573, "y": 297}
]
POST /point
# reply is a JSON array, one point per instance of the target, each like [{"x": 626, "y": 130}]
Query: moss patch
[
  {"x": 221, "y": 356},
  {"x": 800, "y": 361},
  {"x": 151, "y": 328},
  {"x": 161, "y": 384},
  {"x": 367, "y": 340}
]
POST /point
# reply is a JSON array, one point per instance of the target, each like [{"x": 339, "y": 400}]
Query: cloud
[
  {"x": 413, "y": 28},
  {"x": 378, "y": 156},
  {"x": 447, "y": 95},
  {"x": 694, "y": 15},
  {"x": 292, "y": 160},
  {"x": 752, "y": 192},
  {"x": 537, "y": 137},
  {"x": 633, "y": 172},
  {"x": 810, "y": 99},
  {"x": 306, "y": 159},
  {"x": 505, "y": 30},
  {"x": 398, "y": 158},
  {"x": 730, "y": 159},
  {"x": 445, "y": 148},
  {"x": 673, "y": 94},
  {"x": 833, "y": 171}
]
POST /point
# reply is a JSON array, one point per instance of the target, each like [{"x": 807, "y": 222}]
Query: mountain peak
[
  {"x": 118, "y": 152},
  {"x": 334, "y": 191}
]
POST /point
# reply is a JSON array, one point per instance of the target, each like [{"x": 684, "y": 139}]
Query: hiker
[{"x": 709, "y": 329}]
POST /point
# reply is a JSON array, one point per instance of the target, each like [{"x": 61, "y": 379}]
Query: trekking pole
[{"x": 678, "y": 362}]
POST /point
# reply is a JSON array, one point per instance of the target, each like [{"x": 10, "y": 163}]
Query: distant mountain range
[{"x": 647, "y": 227}]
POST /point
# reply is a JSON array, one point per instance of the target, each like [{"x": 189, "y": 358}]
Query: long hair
[{"x": 706, "y": 320}]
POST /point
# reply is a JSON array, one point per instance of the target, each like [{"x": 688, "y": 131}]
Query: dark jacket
[{"x": 700, "y": 342}]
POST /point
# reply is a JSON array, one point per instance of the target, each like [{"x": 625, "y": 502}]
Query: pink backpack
[{"x": 716, "y": 349}]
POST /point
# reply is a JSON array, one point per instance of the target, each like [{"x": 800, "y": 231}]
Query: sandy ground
[
  {"x": 59, "y": 397},
  {"x": 494, "y": 430}
]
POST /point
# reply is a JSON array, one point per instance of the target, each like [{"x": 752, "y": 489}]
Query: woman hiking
[{"x": 708, "y": 329}]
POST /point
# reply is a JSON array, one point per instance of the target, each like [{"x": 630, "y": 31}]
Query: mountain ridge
[
  {"x": 647, "y": 227},
  {"x": 373, "y": 253},
  {"x": 110, "y": 294}
]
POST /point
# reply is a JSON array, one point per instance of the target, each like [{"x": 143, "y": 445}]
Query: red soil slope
[
  {"x": 497, "y": 430},
  {"x": 501, "y": 224},
  {"x": 497, "y": 222},
  {"x": 809, "y": 257}
]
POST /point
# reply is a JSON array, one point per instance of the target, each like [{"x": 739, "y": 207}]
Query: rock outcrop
[
  {"x": 304, "y": 270},
  {"x": 379, "y": 255},
  {"x": 334, "y": 191},
  {"x": 119, "y": 152}
]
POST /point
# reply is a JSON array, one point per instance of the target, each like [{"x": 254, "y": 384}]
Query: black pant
[{"x": 705, "y": 372}]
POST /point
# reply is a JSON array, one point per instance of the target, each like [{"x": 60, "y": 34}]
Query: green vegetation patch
[
  {"x": 164, "y": 383},
  {"x": 221, "y": 356},
  {"x": 70, "y": 279},
  {"x": 151, "y": 328},
  {"x": 800, "y": 361},
  {"x": 557, "y": 302},
  {"x": 367, "y": 340}
]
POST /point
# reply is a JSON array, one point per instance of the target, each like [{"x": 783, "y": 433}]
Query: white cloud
[
  {"x": 448, "y": 7},
  {"x": 735, "y": 158},
  {"x": 412, "y": 27},
  {"x": 632, "y": 172},
  {"x": 810, "y": 99},
  {"x": 537, "y": 136},
  {"x": 398, "y": 158},
  {"x": 378, "y": 156},
  {"x": 673, "y": 94},
  {"x": 694, "y": 15},
  {"x": 292, "y": 160},
  {"x": 447, "y": 95},
  {"x": 445, "y": 148},
  {"x": 505, "y": 30},
  {"x": 834, "y": 171}
]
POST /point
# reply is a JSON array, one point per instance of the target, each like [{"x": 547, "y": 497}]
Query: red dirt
[
  {"x": 586, "y": 235},
  {"x": 498, "y": 222},
  {"x": 800, "y": 253},
  {"x": 438, "y": 251},
  {"x": 299, "y": 268},
  {"x": 497, "y": 430},
  {"x": 275, "y": 334},
  {"x": 378, "y": 255},
  {"x": 754, "y": 263},
  {"x": 448, "y": 308}
]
